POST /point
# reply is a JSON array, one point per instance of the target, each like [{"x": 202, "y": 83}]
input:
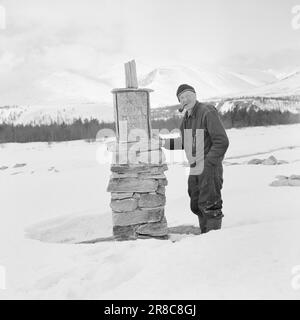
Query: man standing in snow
[{"x": 205, "y": 150}]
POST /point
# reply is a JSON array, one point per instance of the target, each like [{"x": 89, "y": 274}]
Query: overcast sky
[{"x": 95, "y": 34}]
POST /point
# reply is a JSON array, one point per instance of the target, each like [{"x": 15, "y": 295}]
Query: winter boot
[
  {"x": 202, "y": 223},
  {"x": 214, "y": 220}
]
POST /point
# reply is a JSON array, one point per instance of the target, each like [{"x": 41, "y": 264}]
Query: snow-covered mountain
[
  {"x": 68, "y": 94},
  {"x": 208, "y": 82},
  {"x": 286, "y": 86},
  {"x": 259, "y": 103}
]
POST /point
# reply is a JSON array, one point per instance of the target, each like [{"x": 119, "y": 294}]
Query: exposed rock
[
  {"x": 294, "y": 182},
  {"x": 132, "y": 185},
  {"x": 281, "y": 177},
  {"x": 19, "y": 165},
  {"x": 124, "y": 205},
  {"x": 137, "y": 217},
  {"x": 255, "y": 161},
  {"x": 121, "y": 195},
  {"x": 295, "y": 177},
  {"x": 282, "y": 162},
  {"x": 151, "y": 200},
  {"x": 270, "y": 161},
  {"x": 282, "y": 181},
  {"x": 3, "y": 168}
]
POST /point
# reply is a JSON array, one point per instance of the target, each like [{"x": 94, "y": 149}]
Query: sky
[{"x": 96, "y": 34}]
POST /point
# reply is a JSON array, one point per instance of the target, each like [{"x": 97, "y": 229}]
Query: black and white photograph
[{"x": 150, "y": 151}]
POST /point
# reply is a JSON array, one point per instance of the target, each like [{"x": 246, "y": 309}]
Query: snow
[
  {"x": 288, "y": 85},
  {"x": 68, "y": 94},
  {"x": 59, "y": 198}
]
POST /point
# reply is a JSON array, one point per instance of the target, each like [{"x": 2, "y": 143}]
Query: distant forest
[{"x": 87, "y": 129}]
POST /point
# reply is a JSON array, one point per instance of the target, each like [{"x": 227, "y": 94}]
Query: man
[{"x": 205, "y": 151}]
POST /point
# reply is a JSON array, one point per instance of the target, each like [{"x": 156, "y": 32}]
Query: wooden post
[{"x": 130, "y": 75}]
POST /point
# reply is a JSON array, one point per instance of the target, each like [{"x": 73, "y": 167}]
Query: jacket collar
[{"x": 194, "y": 110}]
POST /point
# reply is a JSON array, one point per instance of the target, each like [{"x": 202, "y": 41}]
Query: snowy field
[{"x": 53, "y": 196}]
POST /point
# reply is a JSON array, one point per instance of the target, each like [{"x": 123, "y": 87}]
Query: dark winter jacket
[{"x": 212, "y": 139}]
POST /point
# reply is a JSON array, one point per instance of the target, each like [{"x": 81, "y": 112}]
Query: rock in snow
[
  {"x": 293, "y": 181},
  {"x": 271, "y": 161}
]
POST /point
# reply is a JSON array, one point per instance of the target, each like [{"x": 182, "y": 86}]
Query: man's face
[{"x": 187, "y": 100}]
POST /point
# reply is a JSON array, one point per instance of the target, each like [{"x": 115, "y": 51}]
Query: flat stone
[
  {"x": 156, "y": 229},
  {"x": 121, "y": 195},
  {"x": 124, "y": 232},
  {"x": 116, "y": 175},
  {"x": 152, "y": 176},
  {"x": 124, "y": 205},
  {"x": 161, "y": 190},
  {"x": 138, "y": 168},
  {"x": 137, "y": 217},
  {"x": 149, "y": 200},
  {"x": 132, "y": 185}
]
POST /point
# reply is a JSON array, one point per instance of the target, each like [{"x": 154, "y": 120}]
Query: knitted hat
[{"x": 182, "y": 88}]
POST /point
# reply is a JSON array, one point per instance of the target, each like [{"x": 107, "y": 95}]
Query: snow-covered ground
[{"x": 57, "y": 193}]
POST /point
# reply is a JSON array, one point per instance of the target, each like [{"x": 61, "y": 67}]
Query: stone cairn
[{"x": 137, "y": 183}]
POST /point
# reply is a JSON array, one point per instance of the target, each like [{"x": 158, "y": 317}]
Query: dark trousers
[{"x": 205, "y": 197}]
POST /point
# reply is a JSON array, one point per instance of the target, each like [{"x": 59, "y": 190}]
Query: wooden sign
[{"x": 131, "y": 108}]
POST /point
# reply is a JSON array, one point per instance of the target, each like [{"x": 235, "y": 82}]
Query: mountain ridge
[{"x": 68, "y": 94}]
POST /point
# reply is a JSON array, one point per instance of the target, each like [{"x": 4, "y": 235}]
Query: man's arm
[{"x": 218, "y": 137}]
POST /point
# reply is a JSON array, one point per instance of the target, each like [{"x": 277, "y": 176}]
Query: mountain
[
  {"x": 286, "y": 86},
  {"x": 208, "y": 82},
  {"x": 68, "y": 94}
]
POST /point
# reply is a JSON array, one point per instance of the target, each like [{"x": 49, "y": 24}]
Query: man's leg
[
  {"x": 210, "y": 199},
  {"x": 193, "y": 191}
]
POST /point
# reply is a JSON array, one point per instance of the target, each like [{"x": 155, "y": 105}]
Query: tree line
[{"x": 87, "y": 129}]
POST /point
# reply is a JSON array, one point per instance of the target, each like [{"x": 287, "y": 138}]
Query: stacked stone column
[
  {"x": 137, "y": 183},
  {"x": 138, "y": 200}
]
